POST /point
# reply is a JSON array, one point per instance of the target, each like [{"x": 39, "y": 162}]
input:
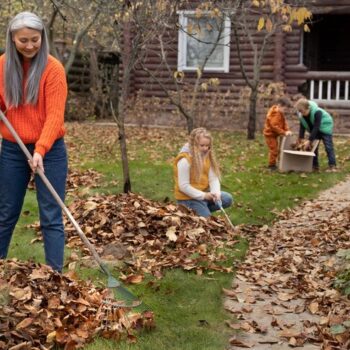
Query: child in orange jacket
[{"x": 275, "y": 126}]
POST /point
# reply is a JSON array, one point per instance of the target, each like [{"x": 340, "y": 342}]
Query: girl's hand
[
  {"x": 216, "y": 197},
  {"x": 208, "y": 196},
  {"x": 37, "y": 162}
]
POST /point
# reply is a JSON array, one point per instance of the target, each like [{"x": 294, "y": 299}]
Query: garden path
[{"x": 285, "y": 280}]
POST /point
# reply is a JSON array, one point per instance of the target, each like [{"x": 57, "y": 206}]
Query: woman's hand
[{"x": 37, "y": 162}]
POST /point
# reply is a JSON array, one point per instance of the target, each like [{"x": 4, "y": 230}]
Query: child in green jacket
[{"x": 319, "y": 124}]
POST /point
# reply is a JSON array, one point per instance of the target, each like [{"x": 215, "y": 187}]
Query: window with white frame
[{"x": 197, "y": 36}]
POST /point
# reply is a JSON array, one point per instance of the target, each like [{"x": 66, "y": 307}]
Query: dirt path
[{"x": 282, "y": 294}]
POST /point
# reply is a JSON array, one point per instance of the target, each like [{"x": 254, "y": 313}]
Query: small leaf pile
[
  {"x": 301, "y": 145},
  {"x": 154, "y": 235},
  {"x": 77, "y": 181},
  {"x": 40, "y": 308}
]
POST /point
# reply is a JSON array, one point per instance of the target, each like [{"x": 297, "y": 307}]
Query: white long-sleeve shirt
[{"x": 183, "y": 169}]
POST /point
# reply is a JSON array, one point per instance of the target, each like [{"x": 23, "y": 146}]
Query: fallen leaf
[
  {"x": 235, "y": 342},
  {"x": 313, "y": 307},
  {"x": 170, "y": 233}
]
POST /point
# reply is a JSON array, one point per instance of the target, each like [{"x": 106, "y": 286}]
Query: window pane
[{"x": 203, "y": 34}]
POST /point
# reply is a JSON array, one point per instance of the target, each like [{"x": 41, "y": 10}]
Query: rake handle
[
  {"x": 219, "y": 203},
  {"x": 227, "y": 217},
  {"x": 55, "y": 195}
]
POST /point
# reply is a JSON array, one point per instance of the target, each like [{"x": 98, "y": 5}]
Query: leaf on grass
[
  {"x": 229, "y": 293},
  {"x": 134, "y": 279}
]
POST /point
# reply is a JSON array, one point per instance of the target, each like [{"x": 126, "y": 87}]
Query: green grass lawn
[{"x": 188, "y": 308}]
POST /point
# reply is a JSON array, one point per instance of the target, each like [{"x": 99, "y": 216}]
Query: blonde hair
[
  {"x": 197, "y": 159},
  {"x": 303, "y": 104}
]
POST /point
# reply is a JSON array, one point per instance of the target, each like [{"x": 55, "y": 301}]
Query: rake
[
  {"x": 120, "y": 291},
  {"x": 219, "y": 203}
]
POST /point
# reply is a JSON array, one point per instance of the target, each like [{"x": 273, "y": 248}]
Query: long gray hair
[{"x": 13, "y": 66}]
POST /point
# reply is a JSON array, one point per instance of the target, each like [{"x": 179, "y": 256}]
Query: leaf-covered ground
[
  {"x": 40, "y": 308},
  {"x": 88, "y": 141},
  {"x": 155, "y": 236},
  {"x": 284, "y": 293}
]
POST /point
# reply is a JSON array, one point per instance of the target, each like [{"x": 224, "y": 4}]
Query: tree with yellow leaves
[{"x": 256, "y": 23}]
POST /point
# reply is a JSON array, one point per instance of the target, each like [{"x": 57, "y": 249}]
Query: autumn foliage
[{"x": 41, "y": 308}]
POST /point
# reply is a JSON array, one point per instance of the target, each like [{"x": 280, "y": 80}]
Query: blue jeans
[
  {"x": 14, "y": 177},
  {"x": 328, "y": 145},
  {"x": 205, "y": 208}
]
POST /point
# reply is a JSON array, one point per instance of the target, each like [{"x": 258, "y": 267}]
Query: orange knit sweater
[{"x": 42, "y": 123}]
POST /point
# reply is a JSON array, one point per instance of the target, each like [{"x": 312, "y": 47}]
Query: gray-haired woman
[{"x": 33, "y": 92}]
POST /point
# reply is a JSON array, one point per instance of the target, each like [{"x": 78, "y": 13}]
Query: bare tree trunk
[
  {"x": 125, "y": 162},
  {"x": 190, "y": 125},
  {"x": 253, "y": 83},
  {"x": 119, "y": 118},
  {"x": 51, "y": 34},
  {"x": 128, "y": 59},
  {"x": 252, "y": 113}
]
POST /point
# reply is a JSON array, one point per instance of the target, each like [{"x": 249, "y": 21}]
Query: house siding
[{"x": 282, "y": 62}]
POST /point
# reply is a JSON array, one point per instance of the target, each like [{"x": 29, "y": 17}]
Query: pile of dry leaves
[
  {"x": 296, "y": 260},
  {"x": 41, "y": 308},
  {"x": 149, "y": 236}
]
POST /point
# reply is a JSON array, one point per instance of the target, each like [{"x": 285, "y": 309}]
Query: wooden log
[{"x": 327, "y": 75}]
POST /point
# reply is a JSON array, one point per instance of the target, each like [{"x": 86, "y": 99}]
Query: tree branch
[{"x": 78, "y": 38}]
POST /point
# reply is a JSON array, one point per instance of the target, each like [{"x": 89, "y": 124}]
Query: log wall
[{"x": 283, "y": 62}]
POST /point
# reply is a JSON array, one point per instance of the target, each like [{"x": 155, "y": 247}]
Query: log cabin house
[{"x": 315, "y": 64}]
